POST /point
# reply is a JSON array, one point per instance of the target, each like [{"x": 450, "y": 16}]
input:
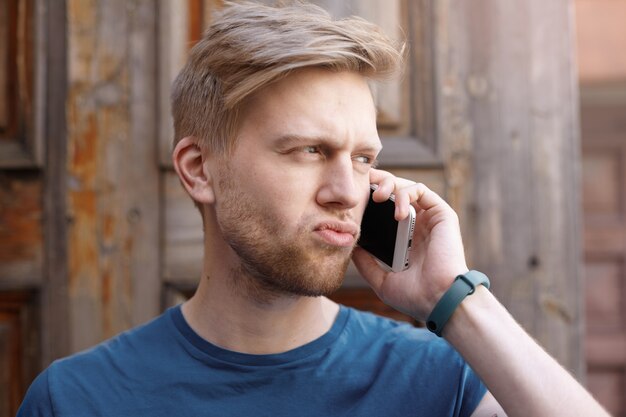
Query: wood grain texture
[
  {"x": 18, "y": 348},
  {"x": 21, "y": 235},
  {"x": 5, "y": 39},
  {"x": 23, "y": 56},
  {"x": 405, "y": 105},
  {"x": 55, "y": 330},
  {"x": 113, "y": 180},
  {"x": 508, "y": 124}
]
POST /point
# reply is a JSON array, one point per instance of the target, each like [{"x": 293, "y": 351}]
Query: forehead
[{"x": 316, "y": 103}]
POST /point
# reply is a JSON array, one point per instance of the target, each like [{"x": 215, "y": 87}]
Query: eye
[
  {"x": 311, "y": 149},
  {"x": 365, "y": 159}
]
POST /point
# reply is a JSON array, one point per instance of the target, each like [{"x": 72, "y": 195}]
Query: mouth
[{"x": 341, "y": 234}]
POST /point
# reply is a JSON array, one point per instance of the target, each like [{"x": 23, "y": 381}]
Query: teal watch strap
[{"x": 462, "y": 286}]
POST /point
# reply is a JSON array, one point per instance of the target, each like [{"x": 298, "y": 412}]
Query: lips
[{"x": 341, "y": 234}]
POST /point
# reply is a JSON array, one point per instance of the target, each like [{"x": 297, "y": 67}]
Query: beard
[{"x": 274, "y": 261}]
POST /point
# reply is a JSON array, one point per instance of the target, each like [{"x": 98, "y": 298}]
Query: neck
[{"x": 239, "y": 320}]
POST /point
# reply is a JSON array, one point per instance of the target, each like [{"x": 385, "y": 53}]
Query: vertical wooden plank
[
  {"x": 55, "y": 330},
  {"x": 421, "y": 71},
  {"x": 84, "y": 154},
  {"x": 508, "y": 124},
  {"x": 142, "y": 193},
  {"x": 112, "y": 173},
  {"x": 22, "y": 87},
  {"x": 4, "y": 61},
  {"x": 196, "y": 18},
  {"x": 172, "y": 38}
]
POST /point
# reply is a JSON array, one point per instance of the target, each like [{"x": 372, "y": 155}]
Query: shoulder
[
  {"x": 404, "y": 355},
  {"x": 130, "y": 347},
  {"x": 108, "y": 372},
  {"x": 400, "y": 343},
  {"x": 394, "y": 334},
  {"x": 37, "y": 401}
]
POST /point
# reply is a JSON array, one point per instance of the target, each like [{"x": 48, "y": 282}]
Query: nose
[{"x": 340, "y": 187}]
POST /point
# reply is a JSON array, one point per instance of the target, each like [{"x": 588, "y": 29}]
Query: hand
[{"x": 437, "y": 255}]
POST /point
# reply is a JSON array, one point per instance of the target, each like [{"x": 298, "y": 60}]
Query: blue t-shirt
[{"x": 364, "y": 366}]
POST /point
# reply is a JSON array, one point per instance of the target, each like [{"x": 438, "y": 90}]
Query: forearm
[{"x": 524, "y": 379}]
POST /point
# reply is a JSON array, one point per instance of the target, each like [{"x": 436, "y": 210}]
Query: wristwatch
[{"x": 463, "y": 285}]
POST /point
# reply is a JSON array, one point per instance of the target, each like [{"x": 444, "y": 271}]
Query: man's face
[{"x": 289, "y": 200}]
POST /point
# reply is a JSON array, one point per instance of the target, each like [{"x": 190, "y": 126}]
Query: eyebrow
[{"x": 287, "y": 140}]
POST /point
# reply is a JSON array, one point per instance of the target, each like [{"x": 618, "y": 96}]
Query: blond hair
[{"x": 249, "y": 45}]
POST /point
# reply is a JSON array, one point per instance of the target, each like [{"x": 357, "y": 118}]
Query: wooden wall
[
  {"x": 486, "y": 115},
  {"x": 23, "y": 84},
  {"x": 509, "y": 125},
  {"x": 112, "y": 174}
]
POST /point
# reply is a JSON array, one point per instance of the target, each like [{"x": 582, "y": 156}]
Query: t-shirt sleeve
[
  {"x": 37, "y": 402},
  {"x": 471, "y": 392}
]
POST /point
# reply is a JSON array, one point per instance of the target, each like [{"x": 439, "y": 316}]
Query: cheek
[
  {"x": 283, "y": 201},
  {"x": 360, "y": 209}
]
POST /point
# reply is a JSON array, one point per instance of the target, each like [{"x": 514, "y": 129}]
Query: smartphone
[{"x": 383, "y": 236}]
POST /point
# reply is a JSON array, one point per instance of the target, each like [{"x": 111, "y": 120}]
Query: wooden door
[
  {"x": 603, "y": 116},
  {"x": 100, "y": 229},
  {"x": 23, "y": 80}
]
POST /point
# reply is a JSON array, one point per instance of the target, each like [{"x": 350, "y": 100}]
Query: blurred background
[{"x": 514, "y": 111}]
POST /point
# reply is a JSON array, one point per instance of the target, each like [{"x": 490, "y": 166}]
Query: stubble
[{"x": 274, "y": 261}]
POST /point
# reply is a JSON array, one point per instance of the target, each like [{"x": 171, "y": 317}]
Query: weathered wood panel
[
  {"x": 22, "y": 83},
  {"x": 405, "y": 105},
  {"x": 508, "y": 125},
  {"x": 18, "y": 348},
  {"x": 112, "y": 175},
  {"x": 21, "y": 237},
  {"x": 5, "y": 41},
  {"x": 54, "y": 323}
]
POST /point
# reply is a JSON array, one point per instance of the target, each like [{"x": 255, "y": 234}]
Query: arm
[
  {"x": 523, "y": 378},
  {"x": 519, "y": 373}
]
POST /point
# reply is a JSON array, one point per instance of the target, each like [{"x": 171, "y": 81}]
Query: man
[{"x": 276, "y": 141}]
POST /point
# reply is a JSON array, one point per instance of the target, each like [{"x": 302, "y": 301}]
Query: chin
[{"x": 305, "y": 278}]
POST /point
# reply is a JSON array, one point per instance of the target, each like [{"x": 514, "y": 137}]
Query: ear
[{"x": 192, "y": 170}]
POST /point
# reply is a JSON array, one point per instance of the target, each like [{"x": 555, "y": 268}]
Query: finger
[
  {"x": 387, "y": 184},
  {"x": 384, "y": 184},
  {"x": 421, "y": 197},
  {"x": 377, "y": 175}
]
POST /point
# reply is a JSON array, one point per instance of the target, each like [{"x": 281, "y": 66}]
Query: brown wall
[
  {"x": 122, "y": 237},
  {"x": 601, "y": 35}
]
